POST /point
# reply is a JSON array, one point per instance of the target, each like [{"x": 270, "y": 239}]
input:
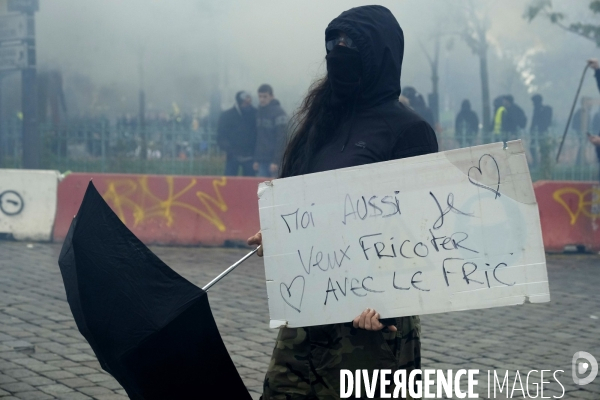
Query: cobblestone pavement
[{"x": 43, "y": 356}]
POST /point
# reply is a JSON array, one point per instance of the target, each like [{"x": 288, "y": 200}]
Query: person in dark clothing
[
  {"x": 466, "y": 125},
  {"x": 540, "y": 123},
  {"x": 542, "y": 115},
  {"x": 417, "y": 103},
  {"x": 595, "y": 65},
  {"x": 271, "y": 122},
  {"x": 513, "y": 120},
  {"x": 595, "y": 140},
  {"x": 579, "y": 121},
  {"x": 596, "y": 122},
  {"x": 350, "y": 117},
  {"x": 236, "y": 135}
]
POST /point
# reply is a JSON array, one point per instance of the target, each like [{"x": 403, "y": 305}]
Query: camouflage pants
[{"x": 306, "y": 362}]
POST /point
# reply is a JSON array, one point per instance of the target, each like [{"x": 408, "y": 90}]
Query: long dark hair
[{"x": 312, "y": 125}]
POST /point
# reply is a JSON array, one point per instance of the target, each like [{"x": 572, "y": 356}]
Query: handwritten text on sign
[{"x": 442, "y": 232}]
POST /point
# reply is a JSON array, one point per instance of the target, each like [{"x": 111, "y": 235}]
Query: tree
[
  {"x": 474, "y": 33},
  {"x": 435, "y": 78},
  {"x": 543, "y": 8}
]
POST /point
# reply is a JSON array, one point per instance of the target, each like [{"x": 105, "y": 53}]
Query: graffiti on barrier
[
  {"x": 11, "y": 203},
  {"x": 587, "y": 202},
  {"x": 136, "y": 195}
]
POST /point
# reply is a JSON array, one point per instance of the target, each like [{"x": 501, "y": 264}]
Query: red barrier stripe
[
  {"x": 187, "y": 210},
  {"x": 568, "y": 212},
  {"x": 175, "y": 210}
]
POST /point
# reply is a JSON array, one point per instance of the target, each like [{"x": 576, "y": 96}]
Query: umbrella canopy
[{"x": 149, "y": 327}]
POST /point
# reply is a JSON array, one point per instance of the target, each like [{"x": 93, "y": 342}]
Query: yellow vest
[{"x": 498, "y": 120}]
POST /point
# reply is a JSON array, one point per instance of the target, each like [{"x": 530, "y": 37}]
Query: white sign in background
[
  {"x": 16, "y": 27},
  {"x": 28, "y": 200},
  {"x": 443, "y": 232}
]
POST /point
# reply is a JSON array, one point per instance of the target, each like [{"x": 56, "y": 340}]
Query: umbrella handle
[{"x": 228, "y": 270}]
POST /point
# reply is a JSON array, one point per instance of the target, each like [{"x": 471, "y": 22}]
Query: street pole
[
  {"x": 142, "y": 125},
  {"x": 142, "y": 112},
  {"x": 31, "y": 136}
]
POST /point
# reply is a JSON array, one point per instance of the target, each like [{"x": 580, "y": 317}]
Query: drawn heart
[
  {"x": 292, "y": 299},
  {"x": 582, "y": 367},
  {"x": 478, "y": 169}
]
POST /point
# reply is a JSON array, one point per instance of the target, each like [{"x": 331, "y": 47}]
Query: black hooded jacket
[
  {"x": 271, "y": 123},
  {"x": 380, "y": 128},
  {"x": 236, "y": 131}
]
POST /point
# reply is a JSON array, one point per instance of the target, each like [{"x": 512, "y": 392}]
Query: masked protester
[
  {"x": 350, "y": 117},
  {"x": 236, "y": 135}
]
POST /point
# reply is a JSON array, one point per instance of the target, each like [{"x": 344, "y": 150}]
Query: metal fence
[
  {"x": 182, "y": 147},
  {"x": 578, "y": 160},
  {"x": 95, "y": 145}
]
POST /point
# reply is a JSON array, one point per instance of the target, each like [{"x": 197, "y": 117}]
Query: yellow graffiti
[
  {"x": 149, "y": 206},
  {"x": 585, "y": 207}
]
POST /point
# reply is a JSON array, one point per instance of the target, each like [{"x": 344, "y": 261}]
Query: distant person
[
  {"x": 236, "y": 135},
  {"x": 271, "y": 123},
  {"x": 499, "y": 111},
  {"x": 596, "y": 122},
  {"x": 580, "y": 121},
  {"x": 595, "y": 65},
  {"x": 417, "y": 103},
  {"x": 580, "y": 124},
  {"x": 540, "y": 123},
  {"x": 514, "y": 119},
  {"x": 466, "y": 125},
  {"x": 595, "y": 139}
]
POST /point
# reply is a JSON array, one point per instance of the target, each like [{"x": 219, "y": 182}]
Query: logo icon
[{"x": 582, "y": 363}]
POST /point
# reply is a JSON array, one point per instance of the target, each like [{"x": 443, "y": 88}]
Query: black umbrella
[{"x": 148, "y": 326}]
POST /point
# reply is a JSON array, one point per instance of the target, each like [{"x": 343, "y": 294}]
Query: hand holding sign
[
  {"x": 370, "y": 320},
  {"x": 256, "y": 240}
]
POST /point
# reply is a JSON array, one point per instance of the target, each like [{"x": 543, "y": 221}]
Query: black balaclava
[
  {"x": 344, "y": 70},
  {"x": 380, "y": 43}
]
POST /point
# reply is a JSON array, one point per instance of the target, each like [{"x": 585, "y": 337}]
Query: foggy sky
[{"x": 189, "y": 49}]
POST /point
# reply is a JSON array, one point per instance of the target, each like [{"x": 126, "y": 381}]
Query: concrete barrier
[
  {"x": 570, "y": 214},
  {"x": 187, "y": 210},
  {"x": 28, "y": 203},
  {"x": 176, "y": 210}
]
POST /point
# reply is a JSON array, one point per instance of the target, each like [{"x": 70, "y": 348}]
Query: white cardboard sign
[{"x": 443, "y": 232}]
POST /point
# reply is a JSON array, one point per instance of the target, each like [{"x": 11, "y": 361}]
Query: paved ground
[{"x": 43, "y": 356}]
